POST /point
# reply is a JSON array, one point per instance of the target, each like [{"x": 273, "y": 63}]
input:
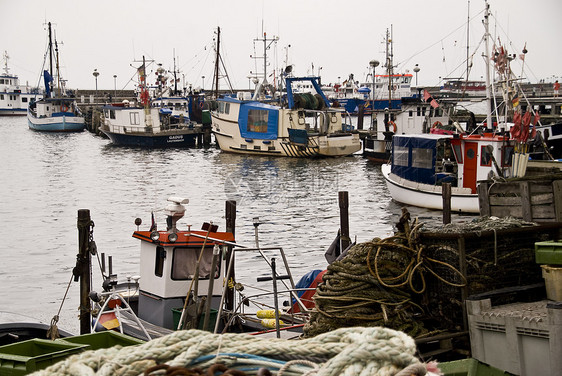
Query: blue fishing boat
[{"x": 57, "y": 111}]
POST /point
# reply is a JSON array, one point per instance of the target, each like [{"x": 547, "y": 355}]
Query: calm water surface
[{"x": 47, "y": 178}]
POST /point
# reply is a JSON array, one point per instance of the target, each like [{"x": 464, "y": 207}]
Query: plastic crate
[
  {"x": 176, "y": 312},
  {"x": 469, "y": 367},
  {"x": 553, "y": 282},
  {"x": 548, "y": 252},
  {"x": 29, "y": 356},
  {"x": 103, "y": 340},
  {"x": 520, "y": 338}
]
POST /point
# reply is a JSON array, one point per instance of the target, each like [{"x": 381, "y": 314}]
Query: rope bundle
[
  {"x": 378, "y": 283},
  {"x": 346, "y": 351}
]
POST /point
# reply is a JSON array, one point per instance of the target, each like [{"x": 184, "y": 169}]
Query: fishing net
[{"x": 415, "y": 281}]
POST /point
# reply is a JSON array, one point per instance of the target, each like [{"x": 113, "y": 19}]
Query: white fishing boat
[
  {"x": 420, "y": 164},
  {"x": 186, "y": 281},
  {"x": 57, "y": 111},
  {"x": 283, "y": 122},
  {"x": 306, "y": 127},
  {"x": 14, "y": 97}
]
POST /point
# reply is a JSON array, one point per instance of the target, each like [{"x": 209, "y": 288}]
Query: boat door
[{"x": 470, "y": 165}]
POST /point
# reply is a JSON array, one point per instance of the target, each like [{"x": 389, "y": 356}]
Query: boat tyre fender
[
  {"x": 437, "y": 125},
  {"x": 393, "y": 125}
]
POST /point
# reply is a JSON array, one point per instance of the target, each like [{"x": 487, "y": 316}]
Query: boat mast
[
  {"x": 50, "y": 52},
  {"x": 217, "y": 62},
  {"x": 389, "y": 66},
  {"x": 175, "y": 76},
  {"x": 487, "y": 57},
  {"x": 266, "y": 46}
]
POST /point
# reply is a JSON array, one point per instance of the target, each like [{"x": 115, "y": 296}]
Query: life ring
[
  {"x": 393, "y": 124},
  {"x": 64, "y": 107},
  {"x": 437, "y": 124},
  {"x": 201, "y": 105}
]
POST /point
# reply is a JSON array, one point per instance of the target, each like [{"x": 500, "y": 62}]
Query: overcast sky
[{"x": 336, "y": 37}]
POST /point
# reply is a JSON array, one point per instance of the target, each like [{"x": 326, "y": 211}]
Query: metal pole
[
  {"x": 276, "y": 303},
  {"x": 230, "y": 227},
  {"x": 216, "y": 251}
]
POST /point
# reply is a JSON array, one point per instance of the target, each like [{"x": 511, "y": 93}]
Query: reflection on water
[{"x": 47, "y": 178}]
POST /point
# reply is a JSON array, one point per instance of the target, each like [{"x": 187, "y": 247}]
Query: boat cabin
[
  {"x": 168, "y": 262},
  {"x": 457, "y": 159}
]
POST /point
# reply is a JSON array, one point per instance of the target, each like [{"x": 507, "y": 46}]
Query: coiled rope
[
  {"x": 346, "y": 351},
  {"x": 378, "y": 283}
]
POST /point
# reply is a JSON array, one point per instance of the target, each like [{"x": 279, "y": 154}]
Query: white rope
[{"x": 346, "y": 351}]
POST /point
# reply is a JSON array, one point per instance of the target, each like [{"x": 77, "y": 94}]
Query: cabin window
[
  {"x": 1, "y": 82},
  {"x": 400, "y": 156},
  {"x": 134, "y": 118},
  {"x": 185, "y": 260},
  {"x": 2, "y": 96},
  {"x": 507, "y": 155},
  {"x": 419, "y": 111},
  {"x": 112, "y": 114},
  {"x": 24, "y": 99},
  {"x": 227, "y": 108},
  {"x": 485, "y": 156},
  {"x": 257, "y": 121},
  {"x": 159, "y": 263},
  {"x": 410, "y": 113},
  {"x": 458, "y": 153},
  {"x": 422, "y": 158}
]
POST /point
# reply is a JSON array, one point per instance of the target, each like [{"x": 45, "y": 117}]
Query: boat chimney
[{"x": 175, "y": 211}]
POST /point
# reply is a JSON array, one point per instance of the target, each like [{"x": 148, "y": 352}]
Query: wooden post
[
  {"x": 360, "y": 116},
  {"x": 446, "y": 193},
  {"x": 557, "y": 191},
  {"x": 526, "y": 210},
  {"x": 463, "y": 270},
  {"x": 83, "y": 267},
  {"x": 344, "y": 220},
  {"x": 483, "y": 199},
  {"x": 230, "y": 216}
]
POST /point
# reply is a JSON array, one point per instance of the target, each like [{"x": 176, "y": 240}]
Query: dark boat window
[
  {"x": 185, "y": 260},
  {"x": 112, "y": 114},
  {"x": 507, "y": 155},
  {"x": 458, "y": 153},
  {"x": 485, "y": 156},
  {"x": 159, "y": 264},
  {"x": 227, "y": 108}
]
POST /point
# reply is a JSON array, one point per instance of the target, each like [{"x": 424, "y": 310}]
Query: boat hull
[
  {"x": 13, "y": 111},
  {"x": 168, "y": 140},
  {"x": 428, "y": 196},
  {"x": 61, "y": 123}
]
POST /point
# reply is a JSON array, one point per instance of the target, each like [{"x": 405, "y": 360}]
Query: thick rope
[{"x": 346, "y": 351}]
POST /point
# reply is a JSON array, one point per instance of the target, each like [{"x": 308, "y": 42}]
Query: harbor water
[{"x": 47, "y": 178}]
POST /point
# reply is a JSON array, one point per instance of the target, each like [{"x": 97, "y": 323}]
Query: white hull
[
  {"x": 229, "y": 139},
  {"x": 428, "y": 196}
]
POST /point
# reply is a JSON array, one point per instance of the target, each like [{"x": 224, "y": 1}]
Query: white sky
[{"x": 341, "y": 36}]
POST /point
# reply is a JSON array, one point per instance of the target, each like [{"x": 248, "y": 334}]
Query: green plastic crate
[
  {"x": 103, "y": 340},
  {"x": 549, "y": 252},
  {"x": 176, "y": 312},
  {"x": 469, "y": 367},
  {"x": 24, "y": 357}
]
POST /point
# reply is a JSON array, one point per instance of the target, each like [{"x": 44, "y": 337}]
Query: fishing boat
[
  {"x": 57, "y": 111},
  {"x": 420, "y": 164},
  {"x": 146, "y": 125},
  {"x": 14, "y": 97},
  {"x": 396, "y": 110},
  {"x": 183, "y": 284},
  {"x": 283, "y": 122}
]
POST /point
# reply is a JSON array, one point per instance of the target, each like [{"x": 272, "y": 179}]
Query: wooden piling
[
  {"x": 446, "y": 193},
  {"x": 343, "y": 200},
  {"x": 83, "y": 267},
  {"x": 230, "y": 215}
]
